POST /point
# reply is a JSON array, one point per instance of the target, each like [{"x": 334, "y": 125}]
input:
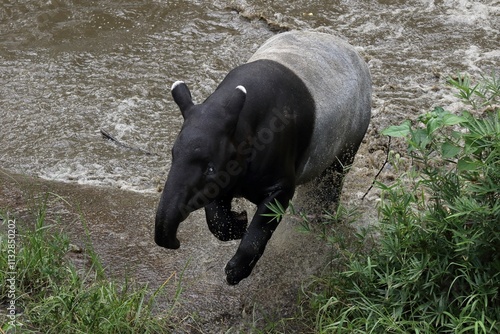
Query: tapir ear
[
  {"x": 182, "y": 96},
  {"x": 235, "y": 104}
]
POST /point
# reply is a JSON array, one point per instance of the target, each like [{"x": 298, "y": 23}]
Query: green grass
[
  {"x": 436, "y": 264},
  {"x": 53, "y": 296}
]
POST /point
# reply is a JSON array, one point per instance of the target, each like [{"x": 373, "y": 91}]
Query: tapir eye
[{"x": 210, "y": 169}]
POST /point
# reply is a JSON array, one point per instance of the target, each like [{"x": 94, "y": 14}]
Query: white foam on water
[
  {"x": 95, "y": 174},
  {"x": 471, "y": 12}
]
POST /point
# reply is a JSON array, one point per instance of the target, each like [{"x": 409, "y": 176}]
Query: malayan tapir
[{"x": 296, "y": 111}]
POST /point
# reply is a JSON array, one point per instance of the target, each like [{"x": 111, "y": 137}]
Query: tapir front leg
[
  {"x": 254, "y": 241},
  {"x": 223, "y": 223}
]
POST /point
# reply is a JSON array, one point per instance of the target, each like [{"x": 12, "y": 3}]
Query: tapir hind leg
[
  {"x": 330, "y": 182},
  {"x": 223, "y": 223}
]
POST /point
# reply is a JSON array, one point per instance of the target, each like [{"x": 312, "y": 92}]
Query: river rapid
[{"x": 69, "y": 68}]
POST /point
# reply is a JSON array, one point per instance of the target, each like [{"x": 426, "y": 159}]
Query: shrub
[{"x": 436, "y": 267}]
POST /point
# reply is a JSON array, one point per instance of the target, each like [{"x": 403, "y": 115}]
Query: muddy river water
[{"x": 69, "y": 68}]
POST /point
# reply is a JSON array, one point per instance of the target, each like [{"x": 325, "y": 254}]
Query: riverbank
[{"x": 120, "y": 227}]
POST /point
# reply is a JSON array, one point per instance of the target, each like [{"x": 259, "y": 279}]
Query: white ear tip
[
  {"x": 177, "y": 83},
  {"x": 242, "y": 89}
]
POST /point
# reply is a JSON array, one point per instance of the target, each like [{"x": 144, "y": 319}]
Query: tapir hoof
[
  {"x": 168, "y": 243},
  {"x": 235, "y": 273}
]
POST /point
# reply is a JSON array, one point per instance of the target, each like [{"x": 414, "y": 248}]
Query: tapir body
[{"x": 297, "y": 111}]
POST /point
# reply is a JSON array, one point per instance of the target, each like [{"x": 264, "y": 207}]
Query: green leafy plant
[
  {"x": 483, "y": 94},
  {"x": 436, "y": 268}
]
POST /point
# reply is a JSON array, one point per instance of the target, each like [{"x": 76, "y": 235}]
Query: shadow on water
[{"x": 69, "y": 68}]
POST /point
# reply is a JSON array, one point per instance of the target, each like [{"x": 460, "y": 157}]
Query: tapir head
[{"x": 205, "y": 161}]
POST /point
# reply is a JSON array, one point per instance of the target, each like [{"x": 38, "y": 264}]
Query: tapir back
[{"x": 339, "y": 82}]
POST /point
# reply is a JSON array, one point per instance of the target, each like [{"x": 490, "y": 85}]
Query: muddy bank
[{"x": 121, "y": 230}]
